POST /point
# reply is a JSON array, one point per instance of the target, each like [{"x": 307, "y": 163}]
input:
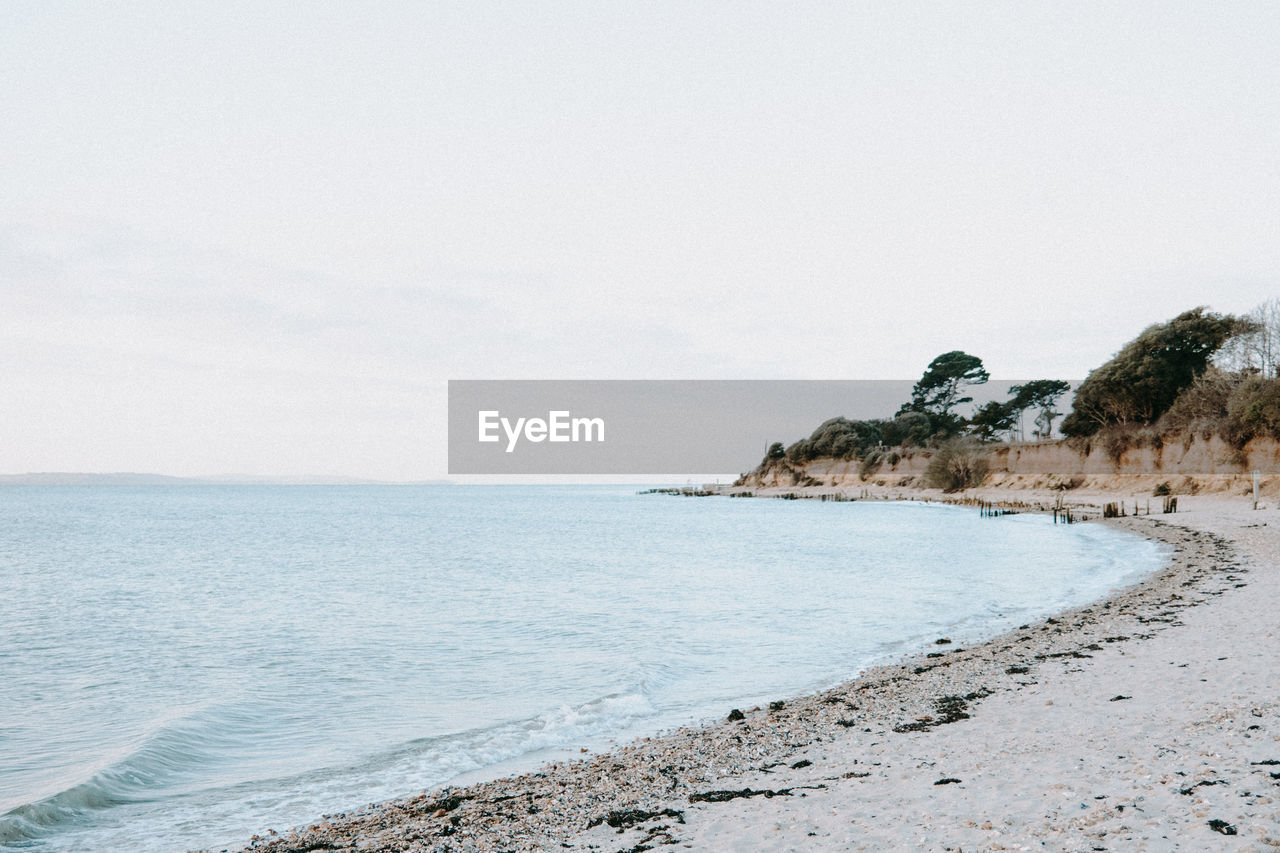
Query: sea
[{"x": 182, "y": 667}]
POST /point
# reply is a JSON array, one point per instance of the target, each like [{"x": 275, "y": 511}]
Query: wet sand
[{"x": 1148, "y": 721}]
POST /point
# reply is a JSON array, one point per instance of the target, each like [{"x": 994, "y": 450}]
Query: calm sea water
[{"x": 185, "y": 666}]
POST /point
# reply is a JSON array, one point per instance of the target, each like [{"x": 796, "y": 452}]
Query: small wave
[
  {"x": 174, "y": 752},
  {"x": 33, "y": 820},
  {"x": 434, "y": 760}
]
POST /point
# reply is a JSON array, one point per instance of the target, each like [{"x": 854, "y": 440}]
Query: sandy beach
[{"x": 1148, "y": 721}]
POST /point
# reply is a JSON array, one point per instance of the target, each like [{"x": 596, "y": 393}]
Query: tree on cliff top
[
  {"x": 993, "y": 418},
  {"x": 1039, "y": 394},
  {"x": 939, "y": 390},
  {"x": 1143, "y": 379}
]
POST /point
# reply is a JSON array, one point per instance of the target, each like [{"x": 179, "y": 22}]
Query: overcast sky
[{"x": 260, "y": 237}]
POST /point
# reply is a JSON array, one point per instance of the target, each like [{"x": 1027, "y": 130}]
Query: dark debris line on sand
[
  {"x": 644, "y": 781},
  {"x": 630, "y": 817},
  {"x": 726, "y": 796}
]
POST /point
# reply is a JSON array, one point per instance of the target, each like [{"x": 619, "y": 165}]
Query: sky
[{"x": 259, "y": 238}]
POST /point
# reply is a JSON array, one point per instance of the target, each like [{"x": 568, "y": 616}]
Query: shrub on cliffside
[
  {"x": 1202, "y": 408},
  {"x": 774, "y": 453},
  {"x": 838, "y": 438},
  {"x": 870, "y": 465},
  {"x": 908, "y": 429},
  {"x": 957, "y": 464},
  {"x": 1254, "y": 411},
  {"x": 1236, "y": 406}
]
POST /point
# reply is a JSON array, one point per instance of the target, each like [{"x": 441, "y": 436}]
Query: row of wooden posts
[
  {"x": 1118, "y": 510},
  {"x": 986, "y": 509}
]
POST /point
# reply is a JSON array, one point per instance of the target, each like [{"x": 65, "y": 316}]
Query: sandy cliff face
[{"x": 1189, "y": 464}]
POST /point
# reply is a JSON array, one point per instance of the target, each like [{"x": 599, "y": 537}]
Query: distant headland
[{"x": 1190, "y": 404}]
